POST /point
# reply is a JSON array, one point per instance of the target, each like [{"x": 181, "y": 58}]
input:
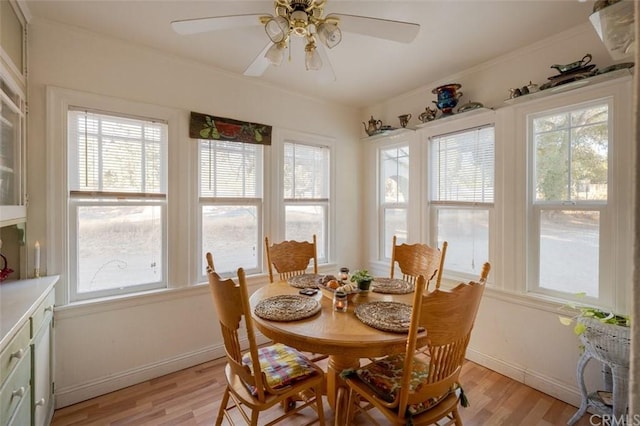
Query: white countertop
[{"x": 18, "y": 299}]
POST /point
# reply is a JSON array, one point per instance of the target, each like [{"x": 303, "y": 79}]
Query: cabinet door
[
  {"x": 12, "y": 37},
  {"x": 42, "y": 378},
  {"x": 12, "y": 154}
]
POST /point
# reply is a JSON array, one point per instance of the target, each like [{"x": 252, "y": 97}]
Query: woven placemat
[
  {"x": 386, "y": 316},
  {"x": 304, "y": 281},
  {"x": 391, "y": 286},
  {"x": 287, "y": 307}
]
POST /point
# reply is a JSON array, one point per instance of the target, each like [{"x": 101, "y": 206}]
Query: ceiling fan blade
[
  {"x": 403, "y": 32},
  {"x": 215, "y": 23},
  {"x": 326, "y": 74},
  {"x": 259, "y": 64}
]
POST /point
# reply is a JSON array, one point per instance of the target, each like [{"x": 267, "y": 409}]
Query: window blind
[
  {"x": 463, "y": 166},
  {"x": 230, "y": 169},
  {"x": 115, "y": 154},
  {"x": 306, "y": 172}
]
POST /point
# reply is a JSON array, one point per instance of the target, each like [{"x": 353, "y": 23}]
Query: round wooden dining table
[{"x": 341, "y": 335}]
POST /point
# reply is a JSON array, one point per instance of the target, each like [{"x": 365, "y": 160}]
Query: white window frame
[
  {"x": 474, "y": 119},
  {"x": 278, "y": 224},
  {"x": 183, "y": 229},
  {"x": 603, "y": 207},
  {"x": 257, "y": 202},
  {"x": 616, "y": 223},
  {"x": 96, "y": 197},
  {"x": 59, "y": 246},
  {"x": 383, "y": 206},
  {"x": 78, "y": 201}
]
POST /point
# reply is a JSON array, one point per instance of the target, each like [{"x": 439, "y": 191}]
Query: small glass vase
[
  {"x": 340, "y": 302},
  {"x": 343, "y": 275}
]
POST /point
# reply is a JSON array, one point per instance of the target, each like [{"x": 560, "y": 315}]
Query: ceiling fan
[{"x": 303, "y": 19}]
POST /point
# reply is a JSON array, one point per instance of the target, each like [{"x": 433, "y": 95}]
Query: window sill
[
  {"x": 529, "y": 300},
  {"x": 94, "y": 306}
]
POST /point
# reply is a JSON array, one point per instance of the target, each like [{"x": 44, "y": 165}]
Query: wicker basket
[{"x": 608, "y": 342}]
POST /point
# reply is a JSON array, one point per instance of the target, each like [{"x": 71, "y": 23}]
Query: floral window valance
[{"x": 203, "y": 126}]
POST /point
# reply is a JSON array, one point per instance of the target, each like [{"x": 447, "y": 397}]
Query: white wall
[
  {"x": 107, "y": 345},
  {"x": 514, "y": 335},
  {"x": 104, "y": 346},
  {"x": 489, "y": 83}
]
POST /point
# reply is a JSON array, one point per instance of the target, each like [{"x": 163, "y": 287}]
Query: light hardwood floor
[{"x": 192, "y": 397}]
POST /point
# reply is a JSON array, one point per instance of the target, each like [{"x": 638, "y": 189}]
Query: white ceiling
[{"x": 454, "y": 35}]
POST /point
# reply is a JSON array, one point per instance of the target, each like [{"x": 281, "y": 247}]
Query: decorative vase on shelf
[{"x": 448, "y": 97}]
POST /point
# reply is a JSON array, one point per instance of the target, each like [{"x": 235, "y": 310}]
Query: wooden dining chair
[
  {"x": 421, "y": 386},
  {"x": 291, "y": 258},
  {"x": 261, "y": 377},
  {"x": 210, "y": 265},
  {"x": 418, "y": 259}
]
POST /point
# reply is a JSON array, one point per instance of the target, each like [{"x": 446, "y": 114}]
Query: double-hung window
[
  {"x": 306, "y": 194},
  {"x": 117, "y": 179},
  {"x": 568, "y": 199},
  {"x": 462, "y": 196},
  {"x": 393, "y": 184},
  {"x": 231, "y": 205}
]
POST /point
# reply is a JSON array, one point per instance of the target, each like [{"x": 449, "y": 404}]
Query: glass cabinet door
[{"x": 11, "y": 152}]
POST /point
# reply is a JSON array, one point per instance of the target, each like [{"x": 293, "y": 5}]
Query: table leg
[{"x": 337, "y": 392}]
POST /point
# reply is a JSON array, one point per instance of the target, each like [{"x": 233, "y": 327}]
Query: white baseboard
[
  {"x": 74, "y": 394},
  {"x": 536, "y": 380}
]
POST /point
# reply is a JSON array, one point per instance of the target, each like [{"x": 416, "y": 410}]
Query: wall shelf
[
  {"x": 454, "y": 116},
  {"x": 570, "y": 86},
  {"x": 385, "y": 133}
]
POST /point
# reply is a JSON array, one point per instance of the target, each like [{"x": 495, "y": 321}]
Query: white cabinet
[
  {"x": 13, "y": 39},
  {"x": 15, "y": 366},
  {"x": 26, "y": 348},
  {"x": 12, "y": 152},
  {"x": 13, "y": 87},
  {"x": 42, "y": 383}
]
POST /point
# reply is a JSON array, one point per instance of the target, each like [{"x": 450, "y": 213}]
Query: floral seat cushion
[
  {"x": 282, "y": 366},
  {"x": 384, "y": 377}
]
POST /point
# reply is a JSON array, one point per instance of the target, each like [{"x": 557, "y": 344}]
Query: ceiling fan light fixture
[
  {"x": 277, "y": 29},
  {"x": 275, "y": 54},
  {"x": 329, "y": 34},
  {"x": 299, "y": 22},
  {"x": 312, "y": 59}
]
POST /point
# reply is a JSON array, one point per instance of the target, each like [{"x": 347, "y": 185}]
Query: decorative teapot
[
  {"x": 573, "y": 65},
  {"x": 428, "y": 115},
  {"x": 5, "y": 271},
  {"x": 373, "y": 127}
]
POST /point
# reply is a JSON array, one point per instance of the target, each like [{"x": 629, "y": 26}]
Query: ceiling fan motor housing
[{"x": 300, "y": 13}]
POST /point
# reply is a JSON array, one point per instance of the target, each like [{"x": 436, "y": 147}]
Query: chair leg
[
  {"x": 254, "y": 417},
  {"x": 223, "y": 406},
  {"x": 456, "y": 416},
  {"x": 319, "y": 405}
]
